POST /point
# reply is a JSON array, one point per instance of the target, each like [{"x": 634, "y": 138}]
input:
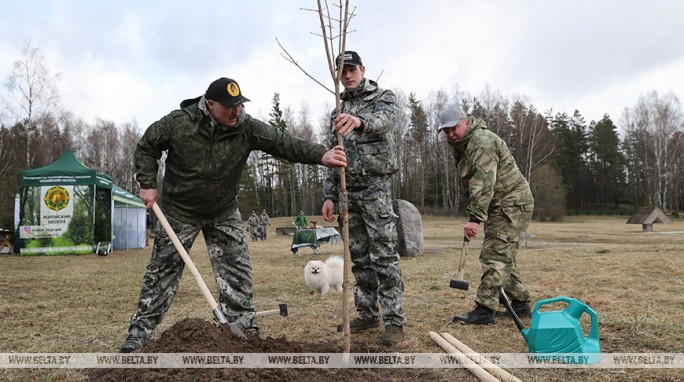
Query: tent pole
[{"x": 94, "y": 211}]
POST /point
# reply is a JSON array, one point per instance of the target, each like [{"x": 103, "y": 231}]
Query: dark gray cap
[{"x": 450, "y": 116}]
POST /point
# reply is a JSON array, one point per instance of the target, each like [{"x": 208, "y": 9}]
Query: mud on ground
[{"x": 194, "y": 335}]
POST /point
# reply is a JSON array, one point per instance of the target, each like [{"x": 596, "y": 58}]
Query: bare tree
[
  {"x": 31, "y": 96},
  {"x": 660, "y": 120},
  {"x": 7, "y": 182},
  {"x": 443, "y": 170},
  {"x": 533, "y": 144},
  {"x": 103, "y": 142},
  {"x": 128, "y": 139},
  {"x": 402, "y": 118}
]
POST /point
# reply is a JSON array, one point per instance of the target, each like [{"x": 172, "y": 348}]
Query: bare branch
[
  {"x": 289, "y": 58},
  {"x": 380, "y": 75}
]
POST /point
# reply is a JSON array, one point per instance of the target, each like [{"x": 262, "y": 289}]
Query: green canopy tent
[{"x": 64, "y": 208}]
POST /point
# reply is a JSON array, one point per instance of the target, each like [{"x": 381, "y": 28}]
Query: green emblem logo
[{"x": 57, "y": 198}]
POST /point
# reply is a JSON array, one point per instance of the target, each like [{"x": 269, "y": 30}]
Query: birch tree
[
  {"x": 652, "y": 125},
  {"x": 31, "y": 96}
]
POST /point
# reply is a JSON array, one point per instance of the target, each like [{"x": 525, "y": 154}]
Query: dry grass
[{"x": 634, "y": 280}]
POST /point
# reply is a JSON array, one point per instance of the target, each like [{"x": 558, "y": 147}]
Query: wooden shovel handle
[{"x": 184, "y": 254}]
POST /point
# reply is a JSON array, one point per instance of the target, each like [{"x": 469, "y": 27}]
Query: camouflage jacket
[
  {"x": 371, "y": 151},
  {"x": 489, "y": 174},
  {"x": 204, "y": 163},
  {"x": 264, "y": 219},
  {"x": 253, "y": 221}
]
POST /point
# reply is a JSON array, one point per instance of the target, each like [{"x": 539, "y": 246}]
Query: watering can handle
[
  {"x": 540, "y": 303},
  {"x": 593, "y": 332}
]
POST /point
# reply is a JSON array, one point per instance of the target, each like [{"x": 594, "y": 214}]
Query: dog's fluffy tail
[
  {"x": 334, "y": 262},
  {"x": 336, "y": 276}
]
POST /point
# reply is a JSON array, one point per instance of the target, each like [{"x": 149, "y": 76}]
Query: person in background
[
  {"x": 264, "y": 222},
  {"x": 367, "y": 123},
  {"x": 500, "y": 198},
  {"x": 253, "y": 226},
  {"x": 207, "y": 141},
  {"x": 300, "y": 220}
]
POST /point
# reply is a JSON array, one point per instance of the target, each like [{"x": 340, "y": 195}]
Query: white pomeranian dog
[{"x": 322, "y": 276}]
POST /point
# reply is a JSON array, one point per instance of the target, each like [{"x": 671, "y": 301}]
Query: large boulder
[{"x": 409, "y": 229}]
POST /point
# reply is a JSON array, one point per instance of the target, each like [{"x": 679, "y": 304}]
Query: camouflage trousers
[
  {"x": 502, "y": 230},
  {"x": 372, "y": 240},
  {"x": 230, "y": 262},
  {"x": 254, "y": 233},
  {"x": 263, "y": 230}
]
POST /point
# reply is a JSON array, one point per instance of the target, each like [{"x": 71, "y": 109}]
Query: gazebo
[{"x": 646, "y": 216}]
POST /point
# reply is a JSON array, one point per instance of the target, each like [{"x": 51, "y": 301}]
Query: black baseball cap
[
  {"x": 226, "y": 92},
  {"x": 350, "y": 58}
]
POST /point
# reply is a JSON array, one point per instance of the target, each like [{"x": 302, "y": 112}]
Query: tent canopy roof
[
  {"x": 67, "y": 170},
  {"x": 122, "y": 196}
]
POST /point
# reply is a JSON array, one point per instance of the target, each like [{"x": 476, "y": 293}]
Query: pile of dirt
[{"x": 194, "y": 335}]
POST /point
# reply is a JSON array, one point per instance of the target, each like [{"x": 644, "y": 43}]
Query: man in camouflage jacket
[
  {"x": 264, "y": 222},
  {"x": 253, "y": 226},
  {"x": 367, "y": 122},
  {"x": 207, "y": 142},
  {"x": 500, "y": 197}
]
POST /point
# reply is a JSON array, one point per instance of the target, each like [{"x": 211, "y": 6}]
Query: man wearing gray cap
[
  {"x": 207, "y": 142},
  {"x": 500, "y": 197}
]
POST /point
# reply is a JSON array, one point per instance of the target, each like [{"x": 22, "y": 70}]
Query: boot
[
  {"x": 479, "y": 316},
  {"x": 521, "y": 308},
  {"x": 358, "y": 325},
  {"x": 132, "y": 344},
  {"x": 393, "y": 335}
]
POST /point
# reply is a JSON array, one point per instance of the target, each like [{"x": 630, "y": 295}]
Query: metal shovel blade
[{"x": 234, "y": 327}]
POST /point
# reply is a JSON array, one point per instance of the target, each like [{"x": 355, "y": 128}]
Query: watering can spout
[
  {"x": 504, "y": 300},
  {"x": 526, "y": 335}
]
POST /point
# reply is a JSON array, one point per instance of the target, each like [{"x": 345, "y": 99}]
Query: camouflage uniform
[
  {"x": 501, "y": 198},
  {"x": 264, "y": 222},
  {"x": 371, "y": 160},
  {"x": 203, "y": 167},
  {"x": 253, "y": 226}
]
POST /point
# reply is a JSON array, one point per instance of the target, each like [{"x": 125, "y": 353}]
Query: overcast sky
[{"x": 127, "y": 61}]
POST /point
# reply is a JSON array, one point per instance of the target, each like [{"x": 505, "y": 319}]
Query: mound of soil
[{"x": 194, "y": 335}]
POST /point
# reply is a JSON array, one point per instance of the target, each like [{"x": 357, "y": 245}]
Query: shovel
[{"x": 218, "y": 314}]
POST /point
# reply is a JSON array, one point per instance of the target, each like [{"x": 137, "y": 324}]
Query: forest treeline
[{"x": 571, "y": 164}]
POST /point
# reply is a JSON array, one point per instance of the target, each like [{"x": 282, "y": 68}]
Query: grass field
[{"x": 634, "y": 280}]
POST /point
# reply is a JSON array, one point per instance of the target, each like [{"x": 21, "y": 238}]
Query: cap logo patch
[{"x": 233, "y": 89}]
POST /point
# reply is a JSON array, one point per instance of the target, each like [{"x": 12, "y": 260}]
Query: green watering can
[{"x": 559, "y": 332}]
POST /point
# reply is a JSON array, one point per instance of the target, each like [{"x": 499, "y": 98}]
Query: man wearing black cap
[
  {"x": 207, "y": 141},
  {"x": 366, "y": 122}
]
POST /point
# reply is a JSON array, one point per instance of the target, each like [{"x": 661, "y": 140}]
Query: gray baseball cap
[{"x": 450, "y": 116}]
